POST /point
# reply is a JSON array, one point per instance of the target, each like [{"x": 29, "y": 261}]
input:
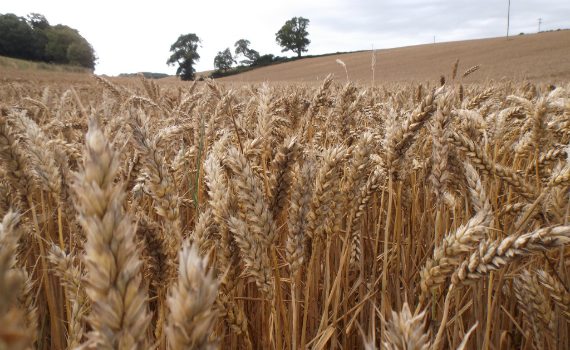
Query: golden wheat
[{"x": 284, "y": 216}]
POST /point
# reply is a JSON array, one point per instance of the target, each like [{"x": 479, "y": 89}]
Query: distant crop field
[
  {"x": 536, "y": 57},
  {"x": 330, "y": 215}
]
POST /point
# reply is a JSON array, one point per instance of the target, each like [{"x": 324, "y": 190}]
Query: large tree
[
  {"x": 224, "y": 60},
  {"x": 185, "y": 54},
  {"x": 242, "y": 48},
  {"x": 17, "y": 38},
  {"x": 66, "y": 45},
  {"x": 293, "y": 35},
  {"x": 37, "y": 21},
  {"x": 80, "y": 53}
]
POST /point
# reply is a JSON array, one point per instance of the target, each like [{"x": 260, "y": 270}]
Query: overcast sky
[{"x": 133, "y": 36}]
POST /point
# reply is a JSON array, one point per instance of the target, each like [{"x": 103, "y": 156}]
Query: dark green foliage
[
  {"x": 293, "y": 35},
  {"x": 80, "y": 53},
  {"x": 35, "y": 39},
  {"x": 17, "y": 38},
  {"x": 224, "y": 60},
  {"x": 37, "y": 21},
  {"x": 65, "y": 45},
  {"x": 242, "y": 48},
  {"x": 148, "y": 75},
  {"x": 185, "y": 54},
  {"x": 268, "y": 60}
]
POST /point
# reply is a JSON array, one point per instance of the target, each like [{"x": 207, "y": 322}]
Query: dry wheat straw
[
  {"x": 14, "y": 334},
  {"x": 318, "y": 208}
]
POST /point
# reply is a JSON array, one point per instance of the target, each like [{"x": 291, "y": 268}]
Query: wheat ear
[
  {"x": 557, "y": 291},
  {"x": 297, "y": 218},
  {"x": 447, "y": 256},
  {"x": 119, "y": 316},
  {"x": 281, "y": 179},
  {"x": 161, "y": 185},
  {"x": 220, "y": 200},
  {"x": 494, "y": 255},
  {"x": 407, "y": 331},
  {"x": 71, "y": 276},
  {"x": 191, "y": 319},
  {"x": 14, "y": 162},
  {"x": 535, "y": 307},
  {"x": 483, "y": 163}
]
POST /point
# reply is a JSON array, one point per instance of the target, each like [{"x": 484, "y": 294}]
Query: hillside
[
  {"x": 539, "y": 57},
  {"x": 13, "y": 69}
]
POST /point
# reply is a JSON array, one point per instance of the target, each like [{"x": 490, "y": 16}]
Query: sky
[{"x": 135, "y": 36}]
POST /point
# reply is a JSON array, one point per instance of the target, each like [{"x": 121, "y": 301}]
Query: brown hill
[{"x": 538, "y": 57}]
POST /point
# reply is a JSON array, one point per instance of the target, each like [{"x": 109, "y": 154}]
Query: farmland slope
[{"x": 537, "y": 57}]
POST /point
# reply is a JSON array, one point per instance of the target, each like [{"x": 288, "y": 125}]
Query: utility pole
[
  {"x": 508, "y": 18},
  {"x": 539, "y": 23}
]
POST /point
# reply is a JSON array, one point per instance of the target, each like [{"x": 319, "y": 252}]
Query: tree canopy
[
  {"x": 65, "y": 45},
  {"x": 242, "y": 48},
  {"x": 224, "y": 60},
  {"x": 185, "y": 54},
  {"x": 33, "y": 38},
  {"x": 293, "y": 35}
]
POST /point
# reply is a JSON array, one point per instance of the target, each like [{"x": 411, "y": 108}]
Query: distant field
[
  {"x": 540, "y": 57},
  {"x": 537, "y": 57}
]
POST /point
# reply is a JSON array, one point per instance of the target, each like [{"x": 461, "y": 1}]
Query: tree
[
  {"x": 81, "y": 53},
  {"x": 17, "y": 38},
  {"x": 185, "y": 54},
  {"x": 264, "y": 60},
  {"x": 59, "y": 39},
  {"x": 242, "y": 48},
  {"x": 40, "y": 25},
  {"x": 37, "y": 21},
  {"x": 293, "y": 35},
  {"x": 224, "y": 60},
  {"x": 33, "y": 38},
  {"x": 66, "y": 45}
]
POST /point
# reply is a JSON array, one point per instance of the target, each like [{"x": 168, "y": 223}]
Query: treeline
[
  {"x": 267, "y": 60},
  {"x": 261, "y": 61},
  {"x": 148, "y": 75},
  {"x": 293, "y": 36},
  {"x": 33, "y": 38}
]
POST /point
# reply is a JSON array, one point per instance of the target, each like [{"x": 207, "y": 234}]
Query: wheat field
[
  {"x": 290, "y": 216},
  {"x": 534, "y": 57}
]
